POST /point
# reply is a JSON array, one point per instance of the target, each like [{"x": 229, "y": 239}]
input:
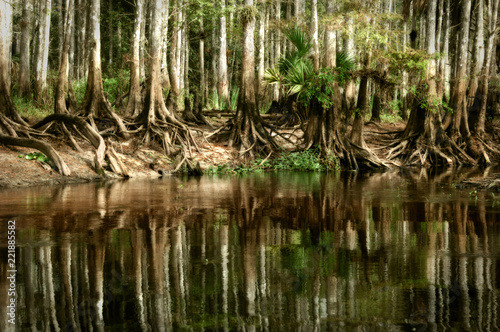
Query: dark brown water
[{"x": 272, "y": 252}]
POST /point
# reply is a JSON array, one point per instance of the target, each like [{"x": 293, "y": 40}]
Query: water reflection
[{"x": 301, "y": 252}]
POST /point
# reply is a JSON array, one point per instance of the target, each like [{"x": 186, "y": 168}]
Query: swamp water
[{"x": 273, "y": 252}]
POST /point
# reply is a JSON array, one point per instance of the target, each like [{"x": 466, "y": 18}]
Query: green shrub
[
  {"x": 79, "y": 88},
  {"x": 27, "y": 109},
  {"x": 35, "y": 156}
]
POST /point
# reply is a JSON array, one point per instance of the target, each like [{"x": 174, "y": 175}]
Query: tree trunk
[
  {"x": 81, "y": 40},
  {"x": 492, "y": 10},
  {"x": 442, "y": 78},
  {"x": 134, "y": 98},
  {"x": 277, "y": 47},
  {"x": 314, "y": 34},
  {"x": 186, "y": 58},
  {"x": 222, "y": 78},
  {"x": 174, "y": 132},
  {"x": 165, "y": 75},
  {"x": 6, "y": 105},
  {"x": 478, "y": 54},
  {"x": 424, "y": 140},
  {"x": 62, "y": 76},
  {"x": 24, "y": 81},
  {"x": 248, "y": 132},
  {"x": 458, "y": 102},
  {"x": 213, "y": 54},
  {"x": 203, "y": 84},
  {"x": 349, "y": 102},
  {"x": 361, "y": 109},
  {"x": 379, "y": 101},
  {"x": 299, "y": 10},
  {"x": 95, "y": 103},
  {"x": 174, "y": 71},
  {"x": 142, "y": 48},
  {"x": 179, "y": 56},
  {"x": 110, "y": 37},
  {"x": 41, "y": 64},
  {"x": 60, "y": 8},
  {"x": 330, "y": 59}
]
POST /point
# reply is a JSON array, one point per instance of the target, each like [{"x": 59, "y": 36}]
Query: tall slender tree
[
  {"x": 160, "y": 123},
  {"x": 11, "y": 124},
  {"x": 24, "y": 80},
  {"x": 248, "y": 132},
  {"x": 42, "y": 54},
  {"x": 424, "y": 140},
  {"x": 458, "y": 101},
  {"x": 479, "y": 119},
  {"x": 261, "y": 50},
  {"x": 315, "y": 33},
  {"x": 222, "y": 76},
  {"x": 134, "y": 104},
  {"x": 174, "y": 72},
  {"x": 62, "y": 76},
  {"x": 95, "y": 102}
]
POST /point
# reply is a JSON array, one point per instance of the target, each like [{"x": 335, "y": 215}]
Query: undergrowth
[
  {"x": 27, "y": 109},
  {"x": 304, "y": 161}
]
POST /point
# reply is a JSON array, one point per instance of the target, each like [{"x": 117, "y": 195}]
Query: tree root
[
  {"x": 189, "y": 168},
  {"x": 55, "y": 161},
  {"x": 414, "y": 150},
  {"x": 88, "y": 132}
]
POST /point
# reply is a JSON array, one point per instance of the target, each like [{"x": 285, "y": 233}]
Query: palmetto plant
[{"x": 295, "y": 70}]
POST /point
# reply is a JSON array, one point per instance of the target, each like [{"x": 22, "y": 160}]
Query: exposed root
[
  {"x": 189, "y": 168},
  {"x": 88, "y": 132},
  {"x": 366, "y": 157},
  {"x": 249, "y": 134},
  {"x": 55, "y": 161},
  {"x": 415, "y": 150}
]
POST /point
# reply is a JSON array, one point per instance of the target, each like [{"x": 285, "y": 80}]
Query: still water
[{"x": 264, "y": 252}]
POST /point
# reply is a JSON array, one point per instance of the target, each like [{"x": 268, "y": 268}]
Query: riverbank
[{"x": 18, "y": 170}]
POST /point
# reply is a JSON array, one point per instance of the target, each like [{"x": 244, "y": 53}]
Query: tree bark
[
  {"x": 6, "y": 105},
  {"x": 458, "y": 102},
  {"x": 222, "y": 78},
  {"x": 174, "y": 71},
  {"x": 349, "y": 102},
  {"x": 41, "y": 64},
  {"x": 492, "y": 10},
  {"x": 62, "y": 76},
  {"x": 203, "y": 83},
  {"x": 24, "y": 81},
  {"x": 477, "y": 55},
  {"x": 95, "y": 103},
  {"x": 330, "y": 59},
  {"x": 165, "y": 75},
  {"x": 248, "y": 132},
  {"x": 134, "y": 99},
  {"x": 299, "y": 10},
  {"x": 170, "y": 131},
  {"x": 277, "y": 47},
  {"x": 314, "y": 34}
]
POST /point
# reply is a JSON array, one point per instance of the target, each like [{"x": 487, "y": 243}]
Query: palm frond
[
  {"x": 299, "y": 38},
  {"x": 298, "y": 75},
  {"x": 272, "y": 75},
  {"x": 345, "y": 61}
]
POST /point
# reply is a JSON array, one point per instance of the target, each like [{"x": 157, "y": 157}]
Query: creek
[{"x": 401, "y": 250}]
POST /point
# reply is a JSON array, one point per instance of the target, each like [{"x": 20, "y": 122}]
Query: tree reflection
[{"x": 303, "y": 252}]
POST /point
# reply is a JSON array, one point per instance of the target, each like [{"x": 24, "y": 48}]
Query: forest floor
[{"x": 141, "y": 161}]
